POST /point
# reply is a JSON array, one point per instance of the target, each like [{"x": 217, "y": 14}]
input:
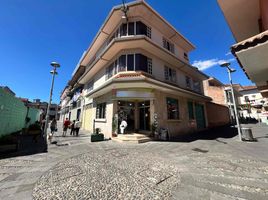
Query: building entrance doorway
[
  {"x": 126, "y": 111},
  {"x": 200, "y": 116},
  {"x": 144, "y": 115}
]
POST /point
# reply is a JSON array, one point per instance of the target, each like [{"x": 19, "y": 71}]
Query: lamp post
[
  {"x": 230, "y": 70},
  {"x": 54, "y": 72},
  {"x": 124, "y": 9}
]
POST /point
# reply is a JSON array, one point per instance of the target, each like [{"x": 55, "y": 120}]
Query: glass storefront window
[{"x": 172, "y": 108}]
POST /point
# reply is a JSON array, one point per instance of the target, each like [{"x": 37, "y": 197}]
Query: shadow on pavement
[
  {"x": 22, "y": 145},
  {"x": 211, "y": 134}
]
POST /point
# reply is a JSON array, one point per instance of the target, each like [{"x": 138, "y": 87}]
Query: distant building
[
  {"x": 248, "y": 21},
  {"x": 221, "y": 94},
  {"x": 54, "y": 108},
  {"x": 253, "y": 104},
  {"x": 53, "y": 111}
]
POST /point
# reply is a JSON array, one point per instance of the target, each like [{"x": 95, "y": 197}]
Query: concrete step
[{"x": 133, "y": 138}]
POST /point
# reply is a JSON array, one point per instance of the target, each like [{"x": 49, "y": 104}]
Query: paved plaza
[{"x": 222, "y": 168}]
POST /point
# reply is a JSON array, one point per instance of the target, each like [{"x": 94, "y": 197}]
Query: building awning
[
  {"x": 251, "y": 42},
  {"x": 252, "y": 56}
]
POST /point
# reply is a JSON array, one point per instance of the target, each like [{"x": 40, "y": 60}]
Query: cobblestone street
[{"x": 202, "y": 169}]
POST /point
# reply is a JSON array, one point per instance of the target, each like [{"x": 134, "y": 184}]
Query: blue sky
[{"x": 35, "y": 32}]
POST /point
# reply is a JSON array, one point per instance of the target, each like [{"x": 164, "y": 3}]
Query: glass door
[
  {"x": 144, "y": 115},
  {"x": 126, "y": 111}
]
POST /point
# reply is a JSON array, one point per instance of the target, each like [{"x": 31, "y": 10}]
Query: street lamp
[
  {"x": 124, "y": 9},
  {"x": 54, "y": 72},
  {"x": 230, "y": 70}
]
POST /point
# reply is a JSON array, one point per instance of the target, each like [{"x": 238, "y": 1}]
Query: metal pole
[
  {"x": 49, "y": 104},
  {"x": 235, "y": 108}
]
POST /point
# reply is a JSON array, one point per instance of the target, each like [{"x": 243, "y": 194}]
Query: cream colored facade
[
  {"x": 253, "y": 104},
  {"x": 138, "y": 70}
]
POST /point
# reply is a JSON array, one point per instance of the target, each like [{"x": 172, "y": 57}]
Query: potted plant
[
  {"x": 115, "y": 126},
  {"x": 97, "y": 136}
]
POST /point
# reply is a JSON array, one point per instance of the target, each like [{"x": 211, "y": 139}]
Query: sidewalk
[
  {"x": 18, "y": 175},
  {"x": 220, "y": 168}
]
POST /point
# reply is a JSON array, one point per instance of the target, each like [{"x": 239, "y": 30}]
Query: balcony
[{"x": 135, "y": 42}]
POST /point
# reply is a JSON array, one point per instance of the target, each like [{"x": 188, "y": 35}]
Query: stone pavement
[{"x": 223, "y": 168}]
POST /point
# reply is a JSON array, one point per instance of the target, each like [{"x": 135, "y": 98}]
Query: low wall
[
  {"x": 217, "y": 115},
  {"x": 13, "y": 113}
]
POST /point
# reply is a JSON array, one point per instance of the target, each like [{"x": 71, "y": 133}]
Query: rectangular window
[
  {"x": 185, "y": 56},
  {"x": 110, "y": 71},
  {"x": 123, "y": 30},
  {"x": 141, "y": 63},
  {"x": 197, "y": 86},
  {"x": 89, "y": 86},
  {"x": 149, "y": 32},
  {"x": 131, "y": 28},
  {"x": 191, "y": 110},
  {"x": 168, "y": 45},
  {"x": 130, "y": 62},
  {"x": 141, "y": 28},
  {"x": 172, "y": 108},
  {"x": 149, "y": 66},
  {"x": 188, "y": 82},
  {"x": 115, "y": 67},
  {"x": 170, "y": 74},
  {"x": 122, "y": 63},
  {"x": 101, "y": 111}
]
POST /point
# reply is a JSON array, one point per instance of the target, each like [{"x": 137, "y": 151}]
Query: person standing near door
[
  {"x": 72, "y": 128},
  {"x": 77, "y": 126}
]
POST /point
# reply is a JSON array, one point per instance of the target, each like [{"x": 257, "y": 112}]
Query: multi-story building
[
  {"x": 248, "y": 20},
  {"x": 221, "y": 95},
  {"x": 252, "y": 103},
  {"x": 53, "y": 110},
  {"x": 137, "y": 68}
]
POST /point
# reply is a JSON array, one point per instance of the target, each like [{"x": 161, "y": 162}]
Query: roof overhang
[
  {"x": 136, "y": 42},
  {"x": 252, "y": 56},
  {"x": 79, "y": 72},
  {"x": 136, "y": 9},
  {"x": 242, "y": 17},
  {"x": 215, "y": 81}
]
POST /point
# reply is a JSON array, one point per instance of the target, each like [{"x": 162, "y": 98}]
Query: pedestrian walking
[
  {"x": 66, "y": 125},
  {"x": 53, "y": 126},
  {"x": 72, "y": 128},
  {"x": 77, "y": 127}
]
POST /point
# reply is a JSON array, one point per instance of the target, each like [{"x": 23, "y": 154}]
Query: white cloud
[
  {"x": 206, "y": 64},
  {"x": 228, "y": 53}
]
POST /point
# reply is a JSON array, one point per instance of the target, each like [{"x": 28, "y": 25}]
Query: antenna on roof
[{"x": 124, "y": 9}]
